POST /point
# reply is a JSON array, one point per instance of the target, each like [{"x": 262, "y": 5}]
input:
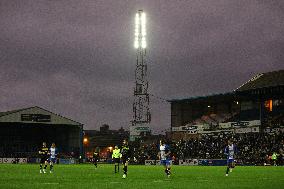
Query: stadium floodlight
[
  {"x": 143, "y": 43},
  {"x": 140, "y": 30},
  {"x": 143, "y": 24},
  {"x": 141, "y": 110}
]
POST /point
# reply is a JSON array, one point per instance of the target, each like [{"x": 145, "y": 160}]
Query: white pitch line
[
  {"x": 157, "y": 181},
  {"x": 114, "y": 182},
  {"x": 50, "y": 183},
  {"x": 202, "y": 180}
]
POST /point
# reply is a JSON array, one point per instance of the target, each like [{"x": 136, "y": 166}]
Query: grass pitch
[{"x": 139, "y": 176}]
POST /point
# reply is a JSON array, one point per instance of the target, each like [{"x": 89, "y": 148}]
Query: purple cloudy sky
[{"x": 76, "y": 58}]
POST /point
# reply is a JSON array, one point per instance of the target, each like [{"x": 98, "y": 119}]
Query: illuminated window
[{"x": 268, "y": 105}]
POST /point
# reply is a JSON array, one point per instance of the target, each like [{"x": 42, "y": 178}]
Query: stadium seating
[{"x": 254, "y": 148}]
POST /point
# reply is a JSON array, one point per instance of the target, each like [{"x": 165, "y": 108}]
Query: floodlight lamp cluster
[{"x": 140, "y": 30}]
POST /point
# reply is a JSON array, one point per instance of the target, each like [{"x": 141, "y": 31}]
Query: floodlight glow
[
  {"x": 143, "y": 43},
  {"x": 136, "y": 44},
  {"x": 143, "y": 17},
  {"x": 137, "y": 19},
  {"x": 143, "y": 32},
  {"x": 140, "y": 30},
  {"x": 137, "y": 24},
  {"x": 143, "y": 24}
]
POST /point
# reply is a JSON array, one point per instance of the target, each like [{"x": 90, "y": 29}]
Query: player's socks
[
  {"x": 125, "y": 170},
  {"x": 115, "y": 168},
  {"x": 227, "y": 172},
  {"x": 44, "y": 168},
  {"x": 51, "y": 168},
  {"x": 166, "y": 171},
  {"x": 231, "y": 170},
  {"x": 169, "y": 171}
]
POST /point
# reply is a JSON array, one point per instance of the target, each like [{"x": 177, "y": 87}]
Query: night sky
[{"x": 77, "y": 59}]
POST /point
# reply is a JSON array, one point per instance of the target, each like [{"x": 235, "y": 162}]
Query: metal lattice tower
[{"x": 141, "y": 110}]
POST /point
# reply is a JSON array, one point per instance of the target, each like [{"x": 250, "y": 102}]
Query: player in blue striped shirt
[
  {"x": 164, "y": 156},
  {"x": 230, "y": 152}
]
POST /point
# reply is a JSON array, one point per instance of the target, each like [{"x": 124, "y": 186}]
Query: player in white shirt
[{"x": 52, "y": 158}]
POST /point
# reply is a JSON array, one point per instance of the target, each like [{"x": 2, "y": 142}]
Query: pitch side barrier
[
  {"x": 13, "y": 160},
  {"x": 59, "y": 160},
  {"x": 34, "y": 160},
  {"x": 193, "y": 162}
]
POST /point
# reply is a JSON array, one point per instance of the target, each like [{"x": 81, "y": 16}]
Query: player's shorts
[
  {"x": 53, "y": 160},
  {"x": 43, "y": 159},
  {"x": 116, "y": 160},
  {"x": 124, "y": 159},
  {"x": 230, "y": 161},
  {"x": 165, "y": 162}
]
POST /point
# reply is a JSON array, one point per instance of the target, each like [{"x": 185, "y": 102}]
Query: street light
[{"x": 85, "y": 140}]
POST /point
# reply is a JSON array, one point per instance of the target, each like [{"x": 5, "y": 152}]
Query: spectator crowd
[{"x": 253, "y": 148}]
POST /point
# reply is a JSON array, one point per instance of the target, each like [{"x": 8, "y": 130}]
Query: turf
[{"x": 144, "y": 177}]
